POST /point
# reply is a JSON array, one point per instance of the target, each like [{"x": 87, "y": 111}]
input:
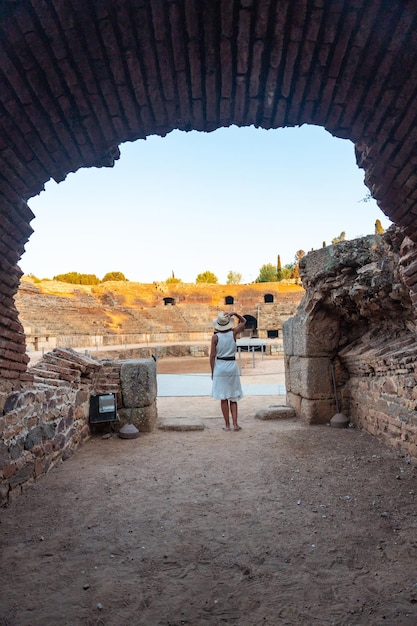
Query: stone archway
[
  {"x": 77, "y": 79},
  {"x": 251, "y": 327}
]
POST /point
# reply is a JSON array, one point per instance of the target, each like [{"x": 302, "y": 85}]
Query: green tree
[
  {"x": 267, "y": 274},
  {"x": 378, "y": 228},
  {"x": 172, "y": 280},
  {"x": 207, "y": 277},
  {"x": 77, "y": 279},
  {"x": 288, "y": 271},
  {"x": 233, "y": 278},
  {"x": 113, "y": 276},
  {"x": 296, "y": 273},
  {"x": 279, "y": 268}
]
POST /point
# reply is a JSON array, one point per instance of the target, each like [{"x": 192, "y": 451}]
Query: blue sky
[{"x": 230, "y": 200}]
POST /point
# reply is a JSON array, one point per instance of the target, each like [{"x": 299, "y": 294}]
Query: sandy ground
[{"x": 280, "y": 523}]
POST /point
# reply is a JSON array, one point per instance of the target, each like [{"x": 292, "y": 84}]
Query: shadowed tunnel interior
[{"x": 77, "y": 79}]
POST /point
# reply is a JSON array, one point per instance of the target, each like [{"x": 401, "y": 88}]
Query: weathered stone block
[
  {"x": 67, "y": 454},
  {"x": 4, "y": 493},
  {"x": 9, "y": 469},
  {"x": 4, "y": 454},
  {"x": 288, "y": 336},
  {"x": 81, "y": 397},
  {"x": 22, "y": 475},
  {"x": 317, "y": 411},
  {"x": 48, "y": 447},
  {"x": 310, "y": 377},
  {"x": 294, "y": 401},
  {"x": 59, "y": 442},
  {"x": 16, "y": 449},
  {"x": 275, "y": 413},
  {"x": 138, "y": 382},
  {"x": 48, "y": 430},
  {"x": 82, "y": 412},
  {"x": 34, "y": 438},
  {"x": 143, "y": 418},
  {"x": 293, "y": 374},
  {"x": 11, "y": 402},
  {"x": 31, "y": 422},
  {"x": 41, "y": 466},
  {"x": 315, "y": 337}
]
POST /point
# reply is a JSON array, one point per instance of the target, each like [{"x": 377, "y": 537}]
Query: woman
[{"x": 224, "y": 372}]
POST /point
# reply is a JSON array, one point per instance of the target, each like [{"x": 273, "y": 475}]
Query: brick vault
[{"x": 78, "y": 78}]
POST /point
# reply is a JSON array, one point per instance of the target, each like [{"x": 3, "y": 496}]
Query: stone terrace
[{"x": 117, "y": 313}]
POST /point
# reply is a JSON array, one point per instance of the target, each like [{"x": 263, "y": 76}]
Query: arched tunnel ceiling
[{"x": 77, "y": 78}]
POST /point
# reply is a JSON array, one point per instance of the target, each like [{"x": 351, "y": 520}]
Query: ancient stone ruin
[
  {"x": 78, "y": 78},
  {"x": 44, "y": 423},
  {"x": 352, "y": 344},
  {"x": 57, "y": 314}
]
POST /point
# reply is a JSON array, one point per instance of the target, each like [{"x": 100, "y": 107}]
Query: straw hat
[{"x": 223, "y": 322}]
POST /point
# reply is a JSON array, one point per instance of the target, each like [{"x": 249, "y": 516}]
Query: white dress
[{"x": 226, "y": 379}]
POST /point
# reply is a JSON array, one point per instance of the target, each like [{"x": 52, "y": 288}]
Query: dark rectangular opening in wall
[
  {"x": 272, "y": 334},
  {"x": 103, "y": 408}
]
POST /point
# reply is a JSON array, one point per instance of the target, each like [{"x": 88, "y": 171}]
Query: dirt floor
[{"x": 279, "y": 523}]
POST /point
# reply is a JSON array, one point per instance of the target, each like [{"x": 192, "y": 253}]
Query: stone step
[{"x": 275, "y": 413}]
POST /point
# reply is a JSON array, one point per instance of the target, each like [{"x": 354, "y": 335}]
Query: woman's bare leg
[
  {"x": 225, "y": 410},
  {"x": 233, "y": 410}
]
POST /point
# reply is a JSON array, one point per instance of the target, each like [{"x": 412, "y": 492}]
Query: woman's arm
[
  {"x": 213, "y": 350},
  {"x": 240, "y": 326}
]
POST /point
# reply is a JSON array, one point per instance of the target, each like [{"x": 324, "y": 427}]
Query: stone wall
[
  {"x": 381, "y": 393},
  {"x": 352, "y": 345},
  {"x": 45, "y": 422}
]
